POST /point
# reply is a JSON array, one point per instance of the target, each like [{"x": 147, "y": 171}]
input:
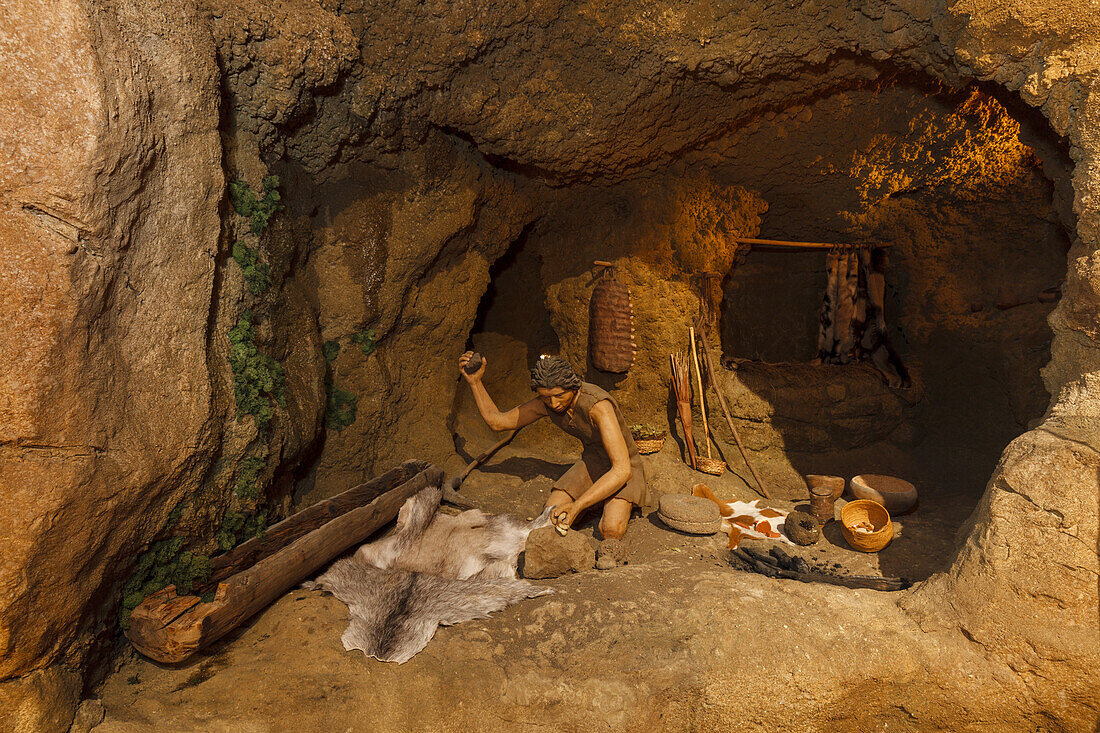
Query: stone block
[{"x": 548, "y": 554}]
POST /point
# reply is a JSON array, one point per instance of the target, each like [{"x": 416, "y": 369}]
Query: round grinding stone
[{"x": 691, "y": 514}]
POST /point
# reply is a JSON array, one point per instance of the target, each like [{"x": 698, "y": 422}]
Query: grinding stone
[
  {"x": 802, "y": 528},
  {"x": 691, "y": 514}
]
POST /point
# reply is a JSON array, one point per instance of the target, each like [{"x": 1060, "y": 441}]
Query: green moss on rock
[
  {"x": 365, "y": 339},
  {"x": 258, "y": 381},
  {"x": 259, "y": 210},
  {"x": 341, "y": 406},
  {"x": 257, "y": 275},
  {"x": 164, "y": 563}
]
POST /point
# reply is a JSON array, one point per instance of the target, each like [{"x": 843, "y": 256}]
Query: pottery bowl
[
  {"x": 897, "y": 495},
  {"x": 818, "y": 483}
]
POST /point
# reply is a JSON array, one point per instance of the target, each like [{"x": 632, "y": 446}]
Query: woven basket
[
  {"x": 611, "y": 325},
  {"x": 865, "y": 510},
  {"x": 649, "y": 445},
  {"x": 713, "y": 466}
]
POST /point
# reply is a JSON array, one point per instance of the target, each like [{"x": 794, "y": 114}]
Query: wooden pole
[
  {"x": 804, "y": 245},
  {"x": 170, "y": 629},
  {"x": 729, "y": 420},
  {"x": 456, "y": 481},
  {"x": 699, "y": 381}
]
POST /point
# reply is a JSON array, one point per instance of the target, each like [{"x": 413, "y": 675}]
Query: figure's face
[{"x": 556, "y": 398}]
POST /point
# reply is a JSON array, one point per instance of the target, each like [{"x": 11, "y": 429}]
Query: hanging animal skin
[{"x": 611, "y": 324}]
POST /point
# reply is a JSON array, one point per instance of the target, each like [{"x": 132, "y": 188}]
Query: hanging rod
[{"x": 803, "y": 245}]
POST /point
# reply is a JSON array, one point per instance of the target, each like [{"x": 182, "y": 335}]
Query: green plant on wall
[
  {"x": 341, "y": 406},
  {"x": 365, "y": 339},
  {"x": 164, "y": 563},
  {"x": 248, "y": 477},
  {"x": 257, "y": 275},
  {"x": 258, "y": 382},
  {"x": 331, "y": 350},
  {"x": 259, "y": 210},
  {"x": 237, "y": 526}
]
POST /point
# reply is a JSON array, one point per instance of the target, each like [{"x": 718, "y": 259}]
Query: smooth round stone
[{"x": 692, "y": 514}]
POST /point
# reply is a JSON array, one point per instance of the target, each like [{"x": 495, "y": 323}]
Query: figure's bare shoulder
[{"x": 603, "y": 410}]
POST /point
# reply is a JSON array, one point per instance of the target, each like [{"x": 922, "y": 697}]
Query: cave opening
[{"x": 968, "y": 191}]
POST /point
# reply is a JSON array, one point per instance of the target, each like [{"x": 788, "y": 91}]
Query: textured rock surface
[
  {"x": 416, "y": 141},
  {"x": 654, "y": 647},
  {"x": 548, "y": 554}
]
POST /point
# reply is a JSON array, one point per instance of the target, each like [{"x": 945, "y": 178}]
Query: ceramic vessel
[{"x": 897, "y": 495}]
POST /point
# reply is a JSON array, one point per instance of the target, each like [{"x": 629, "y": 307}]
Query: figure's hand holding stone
[
  {"x": 464, "y": 360},
  {"x": 563, "y": 516}
]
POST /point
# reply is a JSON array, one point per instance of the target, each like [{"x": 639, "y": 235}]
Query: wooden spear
[{"x": 725, "y": 411}]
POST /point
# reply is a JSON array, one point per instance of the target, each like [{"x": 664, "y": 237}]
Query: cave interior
[{"x": 968, "y": 194}]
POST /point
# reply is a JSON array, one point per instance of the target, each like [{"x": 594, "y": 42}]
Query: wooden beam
[
  {"x": 805, "y": 245},
  {"x": 170, "y": 629},
  {"x": 302, "y": 523}
]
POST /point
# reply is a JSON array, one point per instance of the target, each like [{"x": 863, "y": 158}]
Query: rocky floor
[{"x": 673, "y": 640}]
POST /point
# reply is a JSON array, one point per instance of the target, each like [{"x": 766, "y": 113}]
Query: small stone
[
  {"x": 88, "y": 716},
  {"x": 610, "y": 553},
  {"x": 548, "y": 555}
]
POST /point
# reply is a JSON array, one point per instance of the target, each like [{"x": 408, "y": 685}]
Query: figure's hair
[{"x": 554, "y": 371}]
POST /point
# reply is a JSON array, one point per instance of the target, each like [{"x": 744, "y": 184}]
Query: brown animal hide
[{"x": 433, "y": 569}]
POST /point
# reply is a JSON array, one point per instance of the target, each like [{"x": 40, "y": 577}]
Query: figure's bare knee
[
  {"x": 612, "y": 531},
  {"x": 616, "y": 516}
]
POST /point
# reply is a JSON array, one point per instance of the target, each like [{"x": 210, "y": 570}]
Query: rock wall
[
  {"x": 110, "y": 190},
  {"x": 415, "y": 142}
]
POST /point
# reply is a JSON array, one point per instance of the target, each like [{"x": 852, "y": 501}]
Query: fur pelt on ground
[{"x": 433, "y": 569}]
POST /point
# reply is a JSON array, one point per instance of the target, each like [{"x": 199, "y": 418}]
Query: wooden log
[
  {"x": 302, "y": 523},
  {"x": 171, "y": 629},
  {"x": 805, "y": 245}
]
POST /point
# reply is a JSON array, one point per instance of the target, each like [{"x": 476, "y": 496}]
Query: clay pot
[
  {"x": 822, "y": 508},
  {"x": 801, "y": 528},
  {"x": 896, "y": 495},
  {"x": 818, "y": 483}
]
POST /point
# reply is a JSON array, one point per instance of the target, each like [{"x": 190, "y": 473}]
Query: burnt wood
[{"x": 778, "y": 564}]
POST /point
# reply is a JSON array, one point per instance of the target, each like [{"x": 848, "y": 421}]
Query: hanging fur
[
  {"x": 853, "y": 323},
  {"x": 434, "y": 569}
]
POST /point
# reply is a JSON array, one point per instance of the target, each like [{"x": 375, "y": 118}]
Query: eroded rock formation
[{"x": 414, "y": 143}]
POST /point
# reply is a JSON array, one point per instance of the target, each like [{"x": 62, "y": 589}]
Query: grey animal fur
[{"x": 433, "y": 569}]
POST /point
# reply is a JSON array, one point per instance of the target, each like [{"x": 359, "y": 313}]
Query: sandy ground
[{"x": 673, "y": 640}]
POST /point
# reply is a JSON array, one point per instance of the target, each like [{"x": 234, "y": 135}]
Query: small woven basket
[
  {"x": 713, "y": 466},
  {"x": 865, "y": 510},
  {"x": 649, "y": 445}
]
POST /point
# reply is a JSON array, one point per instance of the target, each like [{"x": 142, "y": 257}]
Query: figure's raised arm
[{"x": 517, "y": 417}]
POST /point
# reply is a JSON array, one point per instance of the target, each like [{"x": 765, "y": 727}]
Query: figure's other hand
[{"x": 464, "y": 360}]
